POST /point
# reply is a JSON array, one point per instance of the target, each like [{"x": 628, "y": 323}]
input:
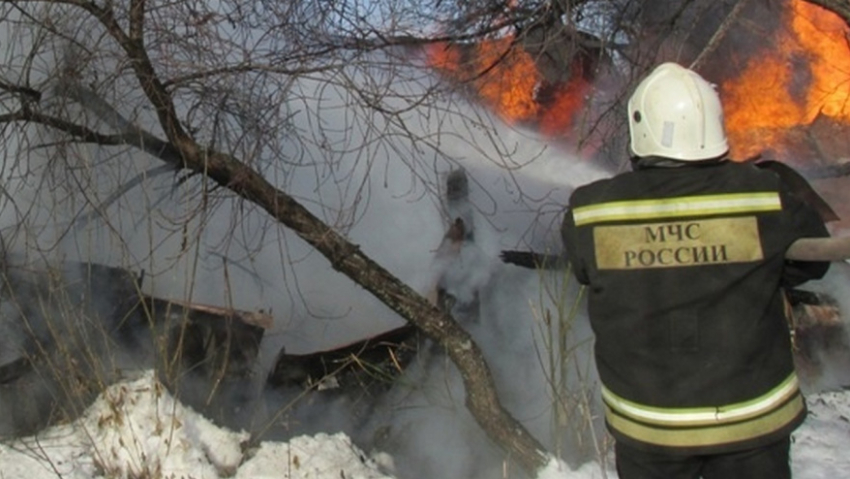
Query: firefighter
[{"x": 685, "y": 262}]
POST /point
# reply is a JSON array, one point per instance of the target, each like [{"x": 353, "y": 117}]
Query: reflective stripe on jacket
[
  {"x": 706, "y": 427},
  {"x": 701, "y": 205}
]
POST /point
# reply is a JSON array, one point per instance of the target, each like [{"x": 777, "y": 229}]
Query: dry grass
[{"x": 564, "y": 349}]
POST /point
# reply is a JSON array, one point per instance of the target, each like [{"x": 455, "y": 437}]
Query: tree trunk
[{"x": 345, "y": 257}]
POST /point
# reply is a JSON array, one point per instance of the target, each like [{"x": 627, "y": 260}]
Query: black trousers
[{"x": 767, "y": 462}]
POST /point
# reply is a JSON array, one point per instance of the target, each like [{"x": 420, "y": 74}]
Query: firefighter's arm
[{"x": 819, "y": 249}]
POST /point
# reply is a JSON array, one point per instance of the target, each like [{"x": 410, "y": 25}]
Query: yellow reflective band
[
  {"x": 705, "y": 205},
  {"x": 709, "y": 435},
  {"x": 706, "y": 416}
]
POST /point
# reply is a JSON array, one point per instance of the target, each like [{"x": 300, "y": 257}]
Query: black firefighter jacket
[{"x": 685, "y": 268}]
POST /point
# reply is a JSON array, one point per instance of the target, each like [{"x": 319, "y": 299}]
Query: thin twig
[
  {"x": 719, "y": 34},
  {"x": 100, "y": 209}
]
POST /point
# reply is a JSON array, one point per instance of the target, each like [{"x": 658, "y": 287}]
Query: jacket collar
[{"x": 647, "y": 162}]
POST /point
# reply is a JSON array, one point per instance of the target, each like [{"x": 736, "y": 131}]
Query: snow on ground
[
  {"x": 821, "y": 444},
  {"x": 136, "y": 429}
]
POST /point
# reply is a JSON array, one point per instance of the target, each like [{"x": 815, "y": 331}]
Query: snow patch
[
  {"x": 311, "y": 457},
  {"x": 137, "y": 429},
  {"x": 558, "y": 469}
]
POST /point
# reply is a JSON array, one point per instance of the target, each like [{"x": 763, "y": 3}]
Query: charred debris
[{"x": 67, "y": 334}]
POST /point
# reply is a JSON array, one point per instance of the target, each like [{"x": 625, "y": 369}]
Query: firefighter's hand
[
  {"x": 532, "y": 260},
  {"x": 519, "y": 258}
]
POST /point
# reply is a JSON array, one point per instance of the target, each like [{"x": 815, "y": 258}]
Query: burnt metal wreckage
[{"x": 70, "y": 331}]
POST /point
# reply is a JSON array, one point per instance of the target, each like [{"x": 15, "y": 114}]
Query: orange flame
[
  {"x": 504, "y": 77},
  {"x": 558, "y": 117},
  {"x": 507, "y": 79},
  {"x": 807, "y": 75}
]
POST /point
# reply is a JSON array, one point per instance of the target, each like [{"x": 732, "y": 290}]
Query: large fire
[
  {"x": 804, "y": 74},
  {"x": 505, "y": 78},
  {"x": 800, "y": 74}
]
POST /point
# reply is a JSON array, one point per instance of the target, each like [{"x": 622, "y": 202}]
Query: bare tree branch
[
  {"x": 718, "y": 36},
  {"x": 29, "y": 93},
  {"x": 73, "y": 129}
]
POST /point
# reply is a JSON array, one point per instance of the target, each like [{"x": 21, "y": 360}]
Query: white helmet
[{"x": 674, "y": 113}]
